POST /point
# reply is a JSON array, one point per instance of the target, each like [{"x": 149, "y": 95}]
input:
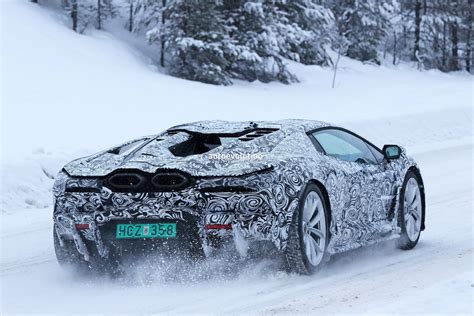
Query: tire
[
  {"x": 411, "y": 212},
  {"x": 306, "y": 225}
]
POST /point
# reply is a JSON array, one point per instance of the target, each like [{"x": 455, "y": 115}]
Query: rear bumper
[{"x": 206, "y": 219}]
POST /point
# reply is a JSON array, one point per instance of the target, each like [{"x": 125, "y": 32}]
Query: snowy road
[{"x": 436, "y": 277}]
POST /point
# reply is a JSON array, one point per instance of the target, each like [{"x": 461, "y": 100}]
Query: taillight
[{"x": 82, "y": 226}]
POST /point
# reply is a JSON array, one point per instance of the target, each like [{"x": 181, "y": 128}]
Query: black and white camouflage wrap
[{"x": 363, "y": 198}]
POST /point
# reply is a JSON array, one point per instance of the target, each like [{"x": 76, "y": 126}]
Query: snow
[
  {"x": 65, "y": 95},
  {"x": 90, "y": 91}
]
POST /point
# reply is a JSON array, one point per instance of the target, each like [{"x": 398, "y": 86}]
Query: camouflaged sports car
[{"x": 305, "y": 188}]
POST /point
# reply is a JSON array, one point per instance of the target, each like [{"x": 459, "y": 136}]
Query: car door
[{"x": 362, "y": 181}]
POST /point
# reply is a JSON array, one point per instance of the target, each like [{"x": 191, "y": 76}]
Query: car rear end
[{"x": 131, "y": 213}]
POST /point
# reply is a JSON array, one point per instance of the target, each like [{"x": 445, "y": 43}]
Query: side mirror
[{"x": 391, "y": 152}]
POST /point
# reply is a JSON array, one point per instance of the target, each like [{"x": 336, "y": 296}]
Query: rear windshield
[{"x": 200, "y": 143}]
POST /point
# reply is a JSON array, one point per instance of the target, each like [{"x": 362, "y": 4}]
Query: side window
[
  {"x": 344, "y": 146},
  {"x": 378, "y": 155}
]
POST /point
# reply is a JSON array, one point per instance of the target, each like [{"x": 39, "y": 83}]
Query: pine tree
[
  {"x": 254, "y": 39},
  {"x": 88, "y": 12},
  {"x": 394, "y": 39},
  {"x": 215, "y": 41},
  {"x": 468, "y": 9},
  {"x": 306, "y": 27},
  {"x": 194, "y": 41},
  {"x": 144, "y": 14},
  {"x": 436, "y": 34},
  {"x": 104, "y": 10},
  {"x": 363, "y": 24}
]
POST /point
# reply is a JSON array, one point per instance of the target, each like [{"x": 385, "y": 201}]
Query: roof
[{"x": 235, "y": 126}]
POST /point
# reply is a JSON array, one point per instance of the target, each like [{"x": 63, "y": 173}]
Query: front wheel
[
  {"x": 411, "y": 212},
  {"x": 308, "y": 232}
]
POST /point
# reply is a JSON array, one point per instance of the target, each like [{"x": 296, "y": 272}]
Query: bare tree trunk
[
  {"x": 404, "y": 38},
  {"x": 454, "y": 49},
  {"x": 74, "y": 14},
  {"x": 454, "y": 60},
  {"x": 99, "y": 15},
  {"x": 468, "y": 40},
  {"x": 130, "y": 21},
  {"x": 335, "y": 68},
  {"x": 417, "y": 29},
  {"x": 162, "y": 42},
  {"x": 443, "y": 62},
  {"x": 394, "y": 61}
]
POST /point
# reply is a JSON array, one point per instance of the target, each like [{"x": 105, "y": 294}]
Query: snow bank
[{"x": 27, "y": 182}]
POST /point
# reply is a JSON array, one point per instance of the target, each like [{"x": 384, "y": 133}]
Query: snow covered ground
[
  {"x": 434, "y": 278},
  {"x": 65, "y": 95}
]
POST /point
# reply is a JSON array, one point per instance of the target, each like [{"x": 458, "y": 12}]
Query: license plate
[{"x": 161, "y": 230}]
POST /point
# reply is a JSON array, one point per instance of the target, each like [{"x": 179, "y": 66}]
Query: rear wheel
[
  {"x": 308, "y": 232},
  {"x": 411, "y": 212}
]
